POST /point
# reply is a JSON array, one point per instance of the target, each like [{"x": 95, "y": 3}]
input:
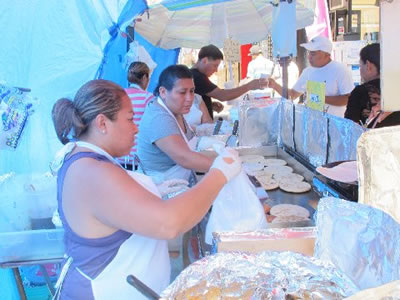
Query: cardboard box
[{"x": 297, "y": 239}]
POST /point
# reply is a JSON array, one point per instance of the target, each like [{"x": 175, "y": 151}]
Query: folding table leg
[{"x": 19, "y": 283}]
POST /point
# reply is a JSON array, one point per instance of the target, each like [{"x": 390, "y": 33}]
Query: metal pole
[
  {"x": 284, "y": 61},
  {"x": 349, "y": 15}
]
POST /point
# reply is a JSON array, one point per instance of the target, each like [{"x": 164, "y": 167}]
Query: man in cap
[
  {"x": 207, "y": 64},
  {"x": 335, "y": 75},
  {"x": 259, "y": 66}
]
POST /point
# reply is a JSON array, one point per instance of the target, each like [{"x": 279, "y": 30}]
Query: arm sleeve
[
  {"x": 250, "y": 70},
  {"x": 356, "y": 104},
  {"x": 346, "y": 84},
  {"x": 301, "y": 83},
  {"x": 202, "y": 84},
  {"x": 164, "y": 125}
]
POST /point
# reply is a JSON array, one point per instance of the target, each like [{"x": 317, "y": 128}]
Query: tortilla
[
  {"x": 268, "y": 183},
  {"x": 275, "y": 162},
  {"x": 278, "y": 170},
  {"x": 253, "y": 166},
  {"x": 294, "y": 187},
  {"x": 259, "y": 173},
  {"x": 289, "y": 219},
  {"x": 284, "y": 210},
  {"x": 252, "y": 158},
  {"x": 289, "y": 177},
  {"x": 344, "y": 172}
]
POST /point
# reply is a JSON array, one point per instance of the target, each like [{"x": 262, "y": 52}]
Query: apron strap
[{"x": 60, "y": 279}]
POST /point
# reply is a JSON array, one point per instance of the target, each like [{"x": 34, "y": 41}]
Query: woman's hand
[
  {"x": 217, "y": 106},
  {"x": 228, "y": 162},
  {"x": 258, "y": 84}
]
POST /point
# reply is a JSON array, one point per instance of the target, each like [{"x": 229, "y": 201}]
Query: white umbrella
[{"x": 246, "y": 21}]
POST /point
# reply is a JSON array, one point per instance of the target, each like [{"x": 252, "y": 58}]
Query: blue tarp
[
  {"x": 162, "y": 57},
  {"x": 53, "y": 47}
]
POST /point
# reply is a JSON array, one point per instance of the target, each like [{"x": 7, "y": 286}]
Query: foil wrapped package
[
  {"x": 319, "y": 137},
  {"x": 343, "y": 136},
  {"x": 286, "y": 115},
  {"x": 378, "y": 154},
  {"x": 311, "y": 134},
  {"x": 361, "y": 241},
  {"x": 266, "y": 275},
  {"x": 259, "y": 122}
]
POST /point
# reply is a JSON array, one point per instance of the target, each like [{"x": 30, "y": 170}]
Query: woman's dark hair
[
  {"x": 170, "y": 75},
  {"x": 136, "y": 71},
  {"x": 372, "y": 53},
  {"x": 72, "y": 118},
  {"x": 210, "y": 51}
]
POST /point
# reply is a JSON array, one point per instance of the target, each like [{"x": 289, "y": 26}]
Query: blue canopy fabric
[
  {"x": 53, "y": 47},
  {"x": 162, "y": 57}
]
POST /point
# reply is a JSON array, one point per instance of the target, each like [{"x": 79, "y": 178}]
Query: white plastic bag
[
  {"x": 138, "y": 53},
  {"x": 236, "y": 208}
]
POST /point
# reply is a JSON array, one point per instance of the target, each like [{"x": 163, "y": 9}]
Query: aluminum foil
[
  {"x": 319, "y": 137},
  {"x": 361, "y": 241},
  {"x": 343, "y": 137},
  {"x": 270, "y": 233},
  {"x": 259, "y": 121},
  {"x": 286, "y": 124},
  {"x": 266, "y": 275},
  {"x": 311, "y": 134},
  {"x": 379, "y": 169}
]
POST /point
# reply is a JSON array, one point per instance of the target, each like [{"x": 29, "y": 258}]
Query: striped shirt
[{"x": 139, "y": 99}]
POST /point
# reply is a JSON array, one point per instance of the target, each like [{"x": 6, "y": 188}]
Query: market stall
[{"x": 305, "y": 139}]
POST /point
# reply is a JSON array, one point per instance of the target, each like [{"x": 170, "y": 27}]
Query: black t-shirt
[
  {"x": 203, "y": 86},
  {"x": 362, "y": 98}
]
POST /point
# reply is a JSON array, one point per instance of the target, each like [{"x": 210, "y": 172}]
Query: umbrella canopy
[{"x": 246, "y": 21}]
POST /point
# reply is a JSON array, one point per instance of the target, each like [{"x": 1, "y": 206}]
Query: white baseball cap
[
  {"x": 254, "y": 50},
  {"x": 319, "y": 43}
]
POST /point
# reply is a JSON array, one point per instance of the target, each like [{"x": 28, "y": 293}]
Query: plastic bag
[
  {"x": 14, "y": 215},
  {"x": 236, "y": 208},
  {"x": 138, "y": 53},
  {"x": 15, "y": 107},
  {"x": 41, "y": 198}
]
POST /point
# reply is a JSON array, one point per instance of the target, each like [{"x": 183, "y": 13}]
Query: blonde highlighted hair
[{"x": 72, "y": 118}]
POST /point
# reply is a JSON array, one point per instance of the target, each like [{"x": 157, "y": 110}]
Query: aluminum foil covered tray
[{"x": 265, "y": 275}]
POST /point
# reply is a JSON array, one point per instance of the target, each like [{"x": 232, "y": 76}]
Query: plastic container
[
  {"x": 14, "y": 214},
  {"x": 31, "y": 245},
  {"x": 41, "y": 197}
]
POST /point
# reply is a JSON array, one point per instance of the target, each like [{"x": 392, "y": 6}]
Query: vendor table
[
  {"x": 31, "y": 247},
  {"x": 17, "y": 276}
]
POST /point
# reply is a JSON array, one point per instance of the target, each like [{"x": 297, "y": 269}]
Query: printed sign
[
  {"x": 316, "y": 95},
  {"x": 232, "y": 50}
]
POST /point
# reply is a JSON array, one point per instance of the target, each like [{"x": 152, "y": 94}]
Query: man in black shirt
[{"x": 208, "y": 61}]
